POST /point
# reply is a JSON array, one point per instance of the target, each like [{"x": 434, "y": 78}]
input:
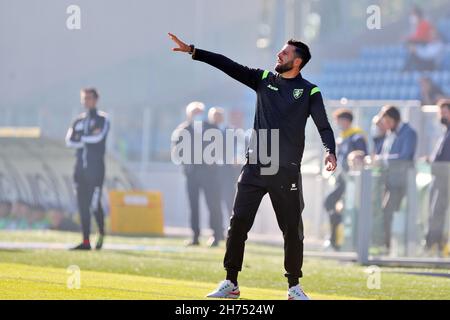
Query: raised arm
[
  {"x": 248, "y": 76},
  {"x": 319, "y": 115},
  {"x": 99, "y": 133}
]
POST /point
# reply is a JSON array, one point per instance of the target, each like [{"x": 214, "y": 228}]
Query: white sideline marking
[{"x": 67, "y": 246}]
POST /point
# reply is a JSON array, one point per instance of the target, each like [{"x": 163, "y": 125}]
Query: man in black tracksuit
[
  {"x": 284, "y": 102},
  {"x": 88, "y": 136}
]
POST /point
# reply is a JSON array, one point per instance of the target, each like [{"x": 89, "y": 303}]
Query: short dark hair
[
  {"x": 391, "y": 112},
  {"x": 301, "y": 50},
  {"x": 343, "y": 113},
  {"x": 92, "y": 91},
  {"x": 444, "y": 103}
]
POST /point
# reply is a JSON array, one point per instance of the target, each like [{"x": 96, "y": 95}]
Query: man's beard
[
  {"x": 445, "y": 121},
  {"x": 282, "y": 68}
]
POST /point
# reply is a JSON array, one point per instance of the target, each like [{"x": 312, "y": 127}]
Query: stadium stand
[{"x": 377, "y": 73}]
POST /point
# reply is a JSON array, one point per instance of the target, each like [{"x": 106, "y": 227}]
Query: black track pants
[
  {"x": 285, "y": 192},
  {"x": 89, "y": 194}
]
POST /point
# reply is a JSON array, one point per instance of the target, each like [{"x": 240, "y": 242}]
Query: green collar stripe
[
  {"x": 265, "y": 74},
  {"x": 314, "y": 90}
]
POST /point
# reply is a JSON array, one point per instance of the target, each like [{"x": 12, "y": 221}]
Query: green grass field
[{"x": 171, "y": 271}]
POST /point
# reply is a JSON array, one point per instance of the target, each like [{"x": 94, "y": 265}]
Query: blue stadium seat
[
  {"x": 354, "y": 92},
  {"x": 377, "y": 78},
  {"x": 373, "y": 93},
  {"x": 359, "y": 78},
  {"x": 403, "y": 92},
  {"x": 414, "y": 92},
  {"x": 364, "y": 91},
  {"x": 446, "y": 77},
  {"x": 346, "y": 78},
  {"x": 443, "y": 27},
  {"x": 384, "y": 92},
  {"x": 396, "y": 78},
  {"x": 377, "y": 74},
  {"x": 447, "y": 90},
  {"x": 446, "y": 62},
  {"x": 368, "y": 52},
  {"x": 405, "y": 78}
]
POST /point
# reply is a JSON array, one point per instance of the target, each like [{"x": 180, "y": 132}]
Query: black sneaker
[
  {"x": 99, "y": 244},
  {"x": 82, "y": 246}
]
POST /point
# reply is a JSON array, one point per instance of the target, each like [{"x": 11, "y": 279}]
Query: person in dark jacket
[
  {"x": 397, "y": 155},
  {"x": 200, "y": 176},
  {"x": 285, "y": 100},
  {"x": 439, "y": 194}
]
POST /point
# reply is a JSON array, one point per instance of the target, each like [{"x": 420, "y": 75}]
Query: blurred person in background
[
  {"x": 420, "y": 28},
  {"x": 425, "y": 56},
  {"x": 228, "y": 173},
  {"x": 398, "y": 150},
  {"x": 430, "y": 92},
  {"x": 216, "y": 120},
  {"x": 439, "y": 193},
  {"x": 38, "y": 219},
  {"x": 377, "y": 133},
  {"x": 59, "y": 221},
  {"x": 21, "y": 212},
  {"x": 356, "y": 160},
  {"x": 5, "y": 214},
  {"x": 88, "y": 136},
  {"x": 236, "y": 122},
  {"x": 202, "y": 177},
  {"x": 351, "y": 138},
  {"x": 284, "y": 102}
]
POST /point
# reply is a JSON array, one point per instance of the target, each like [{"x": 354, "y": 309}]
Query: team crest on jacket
[{"x": 297, "y": 93}]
